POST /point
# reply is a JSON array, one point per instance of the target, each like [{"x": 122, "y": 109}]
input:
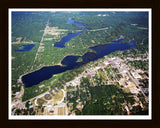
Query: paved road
[
  {"x": 62, "y": 30},
  {"x": 39, "y": 45},
  {"x": 137, "y": 84}
]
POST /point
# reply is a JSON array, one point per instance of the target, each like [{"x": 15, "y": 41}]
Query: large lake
[{"x": 69, "y": 62}]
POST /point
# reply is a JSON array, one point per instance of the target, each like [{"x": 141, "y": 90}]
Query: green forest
[
  {"x": 100, "y": 100},
  {"x": 30, "y": 26}
]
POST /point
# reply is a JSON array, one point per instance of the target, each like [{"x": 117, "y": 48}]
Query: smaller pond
[
  {"x": 82, "y": 14},
  {"x": 25, "y": 48},
  {"x": 61, "y": 43},
  {"x": 79, "y": 24},
  {"x": 70, "y": 21}
]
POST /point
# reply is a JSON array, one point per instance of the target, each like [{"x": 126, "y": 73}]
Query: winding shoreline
[{"x": 60, "y": 63}]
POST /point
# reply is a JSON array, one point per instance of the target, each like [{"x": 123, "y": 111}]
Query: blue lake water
[
  {"x": 70, "y": 21},
  {"x": 69, "y": 62},
  {"x": 25, "y": 48},
  {"x": 79, "y": 24},
  {"x": 61, "y": 43},
  {"x": 82, "y": 14}
]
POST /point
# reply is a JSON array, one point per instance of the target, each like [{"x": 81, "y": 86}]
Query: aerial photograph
[{"x": 76, "y": 63}]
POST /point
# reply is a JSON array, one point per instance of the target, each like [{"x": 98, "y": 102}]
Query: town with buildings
[
  {"x": 54, "y": 73},
  {"x": 112, "y": 71}
]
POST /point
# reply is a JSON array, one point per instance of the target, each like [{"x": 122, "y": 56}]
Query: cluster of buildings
[
  {"x": 129, "y": 81},
  {"x": 103, "y": 15}
]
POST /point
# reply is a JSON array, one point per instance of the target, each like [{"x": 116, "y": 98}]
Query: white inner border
[{"x": 106, "y": 117}]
